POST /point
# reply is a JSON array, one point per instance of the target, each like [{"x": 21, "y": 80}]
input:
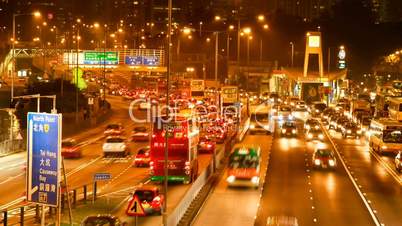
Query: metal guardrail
[
  {"x": 11, "y": 146},
  {"x": 9, "y": 215},
  {"x": 180, "y": 210}
]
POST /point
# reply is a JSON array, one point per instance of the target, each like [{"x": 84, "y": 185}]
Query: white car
[
  {"x": 300, "y": 104},
  {"x": 115, "y": 146},
  {"x": 285, "y": 113},
  {"x": 301, "y": 113}
]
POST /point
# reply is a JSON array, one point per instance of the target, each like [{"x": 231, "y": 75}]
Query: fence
[{"x": 18, "y": 215}]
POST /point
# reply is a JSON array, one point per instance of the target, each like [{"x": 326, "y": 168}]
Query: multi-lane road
[{"x": 364, "y": 189}]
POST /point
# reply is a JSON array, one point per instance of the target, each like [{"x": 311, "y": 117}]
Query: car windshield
[
  {"x": 145, "y": 195},
  {"x": 324, "y": 153},
  {"x": 112, "y": 126},
  {"x": 285, "y": 108},
  {"x": 289, "y": 124},
  {"x": 393, "y": 136},
  {"x": 115, "y": 140},
  {"x": 243, "y": 161},
  {"x": 320, "y": 106},
  {"x": 99, "y": 221},
  {"x": 258, "y": 117},
  {"x": 366, "y": 121}
]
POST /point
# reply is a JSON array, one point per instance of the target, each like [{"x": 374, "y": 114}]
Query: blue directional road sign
[
  {"x": 102, "y": 176},
  {"x": 44, "y": 145}
]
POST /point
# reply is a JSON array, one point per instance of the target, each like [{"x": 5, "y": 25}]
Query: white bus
[
  {"x": 385, "y": 135},
  {"x": 395, "y": 108}
]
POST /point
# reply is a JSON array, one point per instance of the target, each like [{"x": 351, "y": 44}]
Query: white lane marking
[
  {"x": 11, "y": 178},
  {"x": 82, "y": 166},
  {"x": 366, "y": 203},
  {"x": 386, "y": 166}
]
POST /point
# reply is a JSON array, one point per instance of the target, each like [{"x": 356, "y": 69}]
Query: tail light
[
  {"x": 153, "y": 135},
  {"x": 187, "y": 165}
]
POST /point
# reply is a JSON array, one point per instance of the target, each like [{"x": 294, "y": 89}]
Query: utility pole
[
  {"x": 76, "y": 76},
  {"x": 216, "y": 57},
  {"x": 165, "y": 164}
]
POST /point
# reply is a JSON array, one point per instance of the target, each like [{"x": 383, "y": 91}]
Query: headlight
[
  {"x": 293, "y": 131},
  {"x": 317, "y": 111},
  {"x": 359, "y": 132},
  {"x": 317, "y": 162},
  {"x": 283, "y": 130},
  {"x": 321, "y": 136},
  {"x": 231, "y": 179},
  {"x": 349, "y": 131},
  {"x": 331, "y": 162},
  {"x": 309, "y": 136},
  {"x": 266, "y": 127},
  {"x": 384, "y": 147},
  {"x": 255, "y": 180},
  {"x": 308, "y": 127},
  {"x": 252, "y": 126}
]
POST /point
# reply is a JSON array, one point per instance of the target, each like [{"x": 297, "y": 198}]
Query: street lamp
[
  {"x": 260, "y": 18},
  {"x": 292, "y": 54},
  {"x": 217, "y": 18},
  {"x": 36, "y": 14}
]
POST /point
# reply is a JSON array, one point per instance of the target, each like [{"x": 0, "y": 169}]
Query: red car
[
  {"x": 140, "y": 134},
  {"x": 114, "y": 130},
  {"x": 69, "y": 149},
  {"x": 142, "y": 157},
  {"x": 150, "y": 198},
  {"x": 206, "y": 145}
]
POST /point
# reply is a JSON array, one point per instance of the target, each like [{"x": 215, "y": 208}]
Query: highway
[
  {"x": 235, "y": 206},
  {"x": 376, "y": 177}
]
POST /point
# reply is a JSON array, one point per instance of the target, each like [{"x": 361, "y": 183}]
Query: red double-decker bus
[{"x": 183, "y": 136}]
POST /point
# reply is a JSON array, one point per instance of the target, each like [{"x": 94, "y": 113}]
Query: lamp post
[
  {"x": 292, "y": 53},
  {"x": 216, "y": 56},
  {"x": 76, "y": 72},
  {"x": 35, "y": 14}
]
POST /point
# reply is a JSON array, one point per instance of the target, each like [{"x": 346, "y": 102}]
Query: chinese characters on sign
[
  {"x": 142, "y": 60},
  {"x": 44, "y": 138}
]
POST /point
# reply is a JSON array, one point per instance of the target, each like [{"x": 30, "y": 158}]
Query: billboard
[
  {"x": 142, "y": 60},
  {"x": 44, "y": 148},
  {"x": 314, "y": 41},
  {"x": 310, "y": 92},
  {"x": 108, "y": 57}
]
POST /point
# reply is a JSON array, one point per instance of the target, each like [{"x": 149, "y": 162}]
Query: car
[
  {"x": 311, "y": 123},
  {"x": 314, "y": 134},
  {"x": 218, "y": 135},
  {"x": 142, "y": 157},
  {"x": 327, "y": 112},
  {"x": 115, "y": 129},
  {"x": 301, "y": 113},
  {"x": 115, "y": 145},
  {"x": 398, "y": 162},
  {"x": 317, "y": 108},
  {"x": 332, "y": 119},
  {"x": 70, "y": 149},
  {"x": 206, "y": 145},
  {"x": 101, "y": 220},
  {"x": 292, "y": 101},
  {"x": 324, "y": 158},
  {"x": 150, "y": 198},
  {"x": 140, "y": 133},
  {"x": 285, "y": 113},
  {"x": 300, "y": 104},
  {"x": 351, "y": 130},
  {"x": 282, "y": 221},
  {"x": 341, "y": 122},
  {"x": 289, "y": 128}
]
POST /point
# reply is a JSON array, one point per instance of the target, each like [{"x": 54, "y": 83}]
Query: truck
[
  {"x": 197, "y": 87},
  {"x": 359, "y": 108},
  {"x": 182, "y": 136}
]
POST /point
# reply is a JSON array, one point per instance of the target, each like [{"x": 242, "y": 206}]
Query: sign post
[{"x": 44, "y": 158}]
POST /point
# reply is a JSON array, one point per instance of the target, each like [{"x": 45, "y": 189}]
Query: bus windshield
[
  {"x": 392, "y": 136},
  {"x": 259, "y": 117}
]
